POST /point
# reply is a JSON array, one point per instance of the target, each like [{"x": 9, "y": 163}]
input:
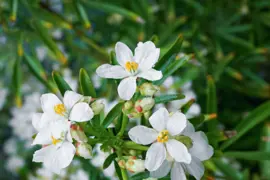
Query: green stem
[
  {"x": 124, "y": 174},
  {"x": 123, "y": 126},
  {"x": 133, "y": 145}
]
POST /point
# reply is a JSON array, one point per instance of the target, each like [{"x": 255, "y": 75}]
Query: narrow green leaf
[
  {"x": 255, "y": 117},
  {"x": 185, "y": 107},
  {"x": 14, "y": 9},
  {"x": 168, "y": 98},
  {"x": 140, "y": 176},
  {"x": 17, "y": 78},
  {"x": 44, "y": 35},
  {"x": 38, "y": 71},
  {"x": 114, "y": 113},
  {"x": 82, "y": 14},
  {"x": 86, "y": 84},
  {"x": 118, "y": 170},
  {"x": 113, "y": 58},
  {"x": 173, "y": 67},
  {"x": 60, "y": 82},
  {"x": 248, "y": 155},
  {"x": 265, "y": 147},
  {"x": 174, "y": 48},
  {"x": 109, "y": 160},
  {"x": 114, "y": 9},
  {"x": 229, "y": 172},
  {"x": 211, "y": 106}
]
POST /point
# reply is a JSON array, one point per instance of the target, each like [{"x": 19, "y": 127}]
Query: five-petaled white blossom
[
  {"x": 131, "y": 67},
  {"x": 200, "y": 151},
  {"x": 72, "y": 108},
  {"x": 166, "y": 127}
]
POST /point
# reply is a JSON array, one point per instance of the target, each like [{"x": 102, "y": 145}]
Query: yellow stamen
[
  {"x": 131, "y": 66},
  {"x": 163, "y": 136},
  {"x": 60, "y": 109},
  {"x": 55, "y": 141}
]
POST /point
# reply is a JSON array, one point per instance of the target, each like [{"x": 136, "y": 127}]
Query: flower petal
[
  {"x": 48, "y": 101},
  {"x": 81, "y": 112},
  {"x": 176, "y": 123},
  {"x": 36, "y": 121},
  {"x": 58, "y": 129},
  {"x": 201, "y": 149},
  {"x": 43, "y": 153},
  {"x": 71, "y": 98},
  {"x": 155, "y": 156},
  {"x": 142, "y": 135},
  {"x": 159, "y": 118},
  {"x": 178, "y": 172},
  {"x": 178, "y": 151},
  {"x": 195, "y": 168},
  {"x": 110, "y": 71},
  {"x": 189, "y": 129},
  {"x": 151, "y": 75},
  {"x": 43, "y": 137},
  {"x": 146, "y": 55},
  {"x": 123, "y": 53},
  {"x": 127, "y": 88},
  {"x": 162, "y": 171},
  {"x": 61, "y": 158}
]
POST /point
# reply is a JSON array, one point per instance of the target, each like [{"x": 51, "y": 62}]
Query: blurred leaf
[
  {"x": 168, "y": 98},
  {"x": 229, "y": 172},
  {"x": 255, "y": 117},
  {"x": 140, "y": 176},
  {"x": 265, "y": 147},
  {"x": 82, "y": 14},
  {"x": 114, "y": 113},
  {"x": 17, "y": 81},
  {"x": 86, "y": 84},
  {"x": 186, "y": 106},
  {"x": 248, "y": 155},
  {"x": 61, "y": 83},
  {"x": 14, "y": 7}
]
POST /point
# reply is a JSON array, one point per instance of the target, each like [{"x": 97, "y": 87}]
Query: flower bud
[
  {"x": 128, "y": 105},
  {"x": 135, "y": 165},
  {"x": 97, "y": 106},
  {"x": 134, "y": 114},
  {"x": 147, "y": 114},
  {"x": 84, "y": 150},
  {"x": 148, "y": 89},
  {"x": 187, "y": 141},
  {"x": 144, "y": 105},
  {"x": 77, "y": 133},
  {"x": 86, "y": 99}
]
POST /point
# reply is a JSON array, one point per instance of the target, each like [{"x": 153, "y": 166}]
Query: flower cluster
[{"x": 73, "y": 125}]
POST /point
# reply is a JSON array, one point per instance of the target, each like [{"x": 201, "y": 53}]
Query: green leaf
[
  {"x": 140, "y": 176},
  {"x": 211, "y": 106},
  {"x": 196, "y": 121},
  {"x": 114, "y": 113},
  {"x": 265, "y": 147},
  {"x": 229, "y": 172},
  {"x": 173, "y": 67},
  {"x": 168, "y": 98},
  {"x": 47, "y": 39},
  {"x": 114, "y": 9},
  {"x": 255, "y": 117},
  {"x": 14, "y": 9},
  {"x": 60, "y": 82},
  {"x": 185, "y": 107},
  {"x": 17, "y": 78},
  {"x": 174, "y": 48},
  {"x": 82, "y": 14},
  {"x": 109, "y": 160},
  {"x": 86, "y": 84},
  {"x": 118, "y": 170},
  {"x": 248, "y": 155},
  {"x": 38, "y": 71},
  {"x": 113, "y": 58}
]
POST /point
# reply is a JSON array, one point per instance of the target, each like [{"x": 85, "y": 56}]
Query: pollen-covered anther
[
  {"x": 163, "y": 136},
  {"x": 55, "y": 141},
  {"x": 60, "y": 109},
  {"x": 131, "y": 66}
]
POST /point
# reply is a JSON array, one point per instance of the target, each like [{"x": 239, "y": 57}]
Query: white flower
[
  {"x": 200, "y": 151},
  {"x": 162, "y": 136},
  {"x": 80, "y": 174},
  {"x": 131, "y": 67},
  {"x": 72, "y": 108},
  {"x": 14, "y": 163},
  {"x": 58, "y": 150}
]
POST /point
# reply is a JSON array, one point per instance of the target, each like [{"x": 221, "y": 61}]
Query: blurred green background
[{"x": 229, "y": 41}]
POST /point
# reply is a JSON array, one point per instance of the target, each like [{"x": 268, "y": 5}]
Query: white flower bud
[
  {"x": 84, "y": 150},
  {"x": 144, "y": 105},
  {"x": 148, "y": 89},
  {"x": 97, "y": 106},
  {"x": 135, "y": 165},
  {"x": 77, "y": 133}
]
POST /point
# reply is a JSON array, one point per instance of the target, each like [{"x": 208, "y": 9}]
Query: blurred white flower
[
  {"x": 10, "y": 146},
  {"x": 115, "y": 19},
  {"x": 200, "y": 151},
  {"x": 132, "y": 67},
  {"x": 72, "y": 82},
  {"x": 14, "y": 163},
  {"x": 3, "y": 96},
  {"x": 79, "y": 175},
  {"x": 41, "y": 52},
  {"x": 165, "y": 126}
]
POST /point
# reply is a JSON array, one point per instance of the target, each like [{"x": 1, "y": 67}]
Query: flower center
[
  {"x": 131, "y": 66},
  {"x": 55, "y": 141},
  {"x": 60, "y": 109},
  {"x": 163, "y": 136}
]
